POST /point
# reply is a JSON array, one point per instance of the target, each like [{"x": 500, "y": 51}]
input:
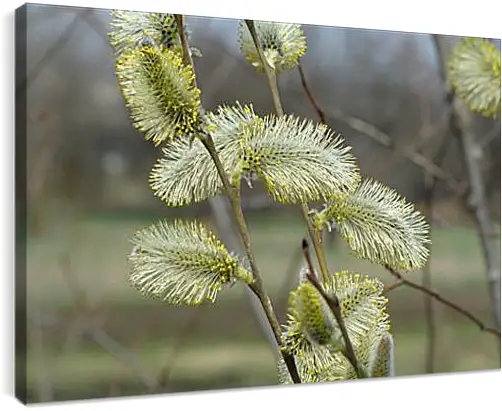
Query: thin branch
[
  {"x": 334, "y": 305},
  {"x": 316, "y": 239},
  {"x": 274, "y": 89},
  {"x": 166, "y": 372},
  {"x": 100, "y": 336},
  {"x": 313, "y": 101},
  {"x": 269, "y": 71},
  {"x": 222, "y": 212},
  {"x": 384, "y": 139},
  {"x": 490, "y": 136},
  {"x": 187, "y": 56},
  {"x": 402, "y": 280},
  {"x": 391, "y": 287},
  {"x": 257, "y": 287}
]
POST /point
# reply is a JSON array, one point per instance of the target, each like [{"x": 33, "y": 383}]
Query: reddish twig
[
  {"x": 443, "y": 300},
  {"x": 391, "y": 287},
  {"x": 313, "y": 101}
]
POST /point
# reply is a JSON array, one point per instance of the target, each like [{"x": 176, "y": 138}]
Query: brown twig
[
  {"x": 443, "y": 300},
  {"x": 391, "y": 287},
  {"x": 257, "y": 286},
  {"x": 384, "y": 139},
  {"x": 334, "y": 305},
  {"x": 97, "y": 333},
  {"x": 313, "y": 101},
  {"x": 187, "y": 56}
]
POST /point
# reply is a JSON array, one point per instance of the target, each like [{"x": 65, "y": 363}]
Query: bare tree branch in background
[
  {"x": 461, "y": 128},
  {"x": 219, "y": 76},
  {"x": 313, "y": 101},
  {"x": 401, "y": 280},
  {"x": 94, "y": 330},
  {"x": 416, "y": 158},
  {"x": 56, "y": 47},
  {"x": 490, "y": 136},
  {"x": 166, "y": 372},
  {"x": 41, "y": 161}
]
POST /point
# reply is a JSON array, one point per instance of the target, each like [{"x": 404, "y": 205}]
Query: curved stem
[
  {"x": 269, "y": 71},
  {"x": 272, "y": 81},
  {"x": 315, "y": 237},
  {"x": 233, "y": 195}
]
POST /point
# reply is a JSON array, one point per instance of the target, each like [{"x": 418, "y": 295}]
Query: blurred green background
[
  {"x": 91, "y": 335},
  {"x": 220, "y": 346}
]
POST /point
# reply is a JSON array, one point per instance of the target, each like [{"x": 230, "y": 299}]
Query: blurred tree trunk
[{"x": 461, "y": 126}]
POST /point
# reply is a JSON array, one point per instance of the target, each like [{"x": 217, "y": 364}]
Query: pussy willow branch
[
  {"x": 334, "y": 305},
  {"x": 219, "y": 208},
  {"x": 401, "y": 280},
  {"x": 272, "y": 81},
  {"x": 257, "y": 286},
  {"x": 315, "y": 237},
  {"x": 233, "y": 195}
]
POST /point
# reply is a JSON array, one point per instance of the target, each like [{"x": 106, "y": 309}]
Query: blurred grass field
[{"x": 223, "y": 347}]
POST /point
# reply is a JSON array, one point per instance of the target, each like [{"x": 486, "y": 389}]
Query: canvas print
[{"x": 208, "y": 203}]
